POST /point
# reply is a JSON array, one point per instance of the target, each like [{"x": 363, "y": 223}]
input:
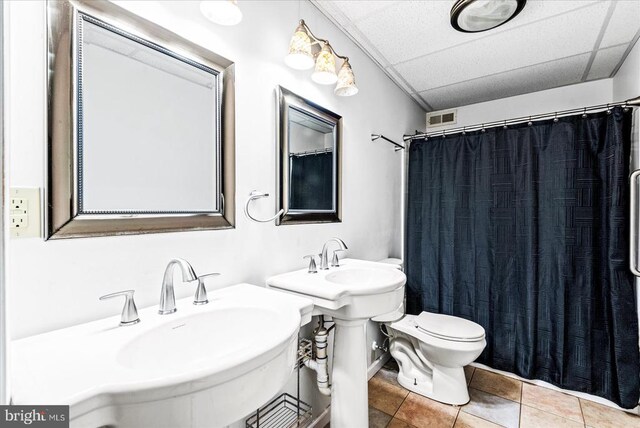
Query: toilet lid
[{"x": 449, "y": 328}]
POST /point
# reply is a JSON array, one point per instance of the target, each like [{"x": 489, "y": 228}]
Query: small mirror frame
[
  {"x": 63, "y": 217},
  {"x": 284, "y": 100}
]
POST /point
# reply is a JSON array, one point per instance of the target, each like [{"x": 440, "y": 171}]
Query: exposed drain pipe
[{"x": 319, "y": 364}]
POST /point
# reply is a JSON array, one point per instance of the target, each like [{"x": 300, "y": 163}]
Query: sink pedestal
[{"x": 349, "y": 394}]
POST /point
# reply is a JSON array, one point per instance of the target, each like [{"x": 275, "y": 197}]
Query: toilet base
[{"x": 446, "y": 385}]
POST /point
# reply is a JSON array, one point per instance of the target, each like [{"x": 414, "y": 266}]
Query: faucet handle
[
  {"x": 335, "y": 260},
  {"x": 129, "y": 312},
  {"x": 201, "y": 292},
  {"x": 312, "y": 263}
]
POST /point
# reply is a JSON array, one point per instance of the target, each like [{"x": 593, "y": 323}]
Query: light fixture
[
  {"x": 223, "y": 12},
  {"x": 346, "y": 81},
  {"x": 472, "y": 16},
  {"x": 301, "y": 57},
  {"x": 325, "y": 71}
]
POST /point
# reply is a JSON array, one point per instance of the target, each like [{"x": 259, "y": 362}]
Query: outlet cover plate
[{"x": 24, "y": 212}]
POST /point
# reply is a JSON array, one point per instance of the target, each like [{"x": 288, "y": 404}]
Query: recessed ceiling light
[{"x": 472, "y": 16}]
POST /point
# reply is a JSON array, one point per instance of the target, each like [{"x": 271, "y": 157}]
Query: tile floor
[{"x": 496, "y": 401}]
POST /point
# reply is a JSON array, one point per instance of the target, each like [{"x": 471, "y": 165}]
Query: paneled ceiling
[{"x": 551, "y": 43}]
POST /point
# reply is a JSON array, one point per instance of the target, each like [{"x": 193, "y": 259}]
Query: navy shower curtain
[{"x": 525, "y": 231}]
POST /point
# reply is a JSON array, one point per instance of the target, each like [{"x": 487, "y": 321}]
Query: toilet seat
[{"x": 447, "y": 327}]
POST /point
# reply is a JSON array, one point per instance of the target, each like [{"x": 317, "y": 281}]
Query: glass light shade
[
  {"x": 346, "y": 86},
  {"x": 325, "y": 72},
  {"x": 472, "y": 16},
  {"x": 223, "y": 12},
  {"x": 300, "y": 56}
]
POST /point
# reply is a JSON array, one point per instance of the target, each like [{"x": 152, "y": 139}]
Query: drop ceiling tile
[
  {"x": 547, "y": 40},
  {"x": 539, "y": 77},
  {"x": 371, "y": 49},
  {"x": 606, "y": 61},
  {"x": 355, "y": 10},
  {"x": 425, "y": 26},
  {"x": 624, "y": 23}
]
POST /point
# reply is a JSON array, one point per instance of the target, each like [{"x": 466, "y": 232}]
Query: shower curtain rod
[
  {"x": 633, "y": 102},
  {"x": 312, "y": 152}
]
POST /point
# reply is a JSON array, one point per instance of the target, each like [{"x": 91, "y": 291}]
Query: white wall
[
  {"x": 57, "y": 283},
  {"x": 626, "y": 82},
  {"x": 550, "y": 100}
]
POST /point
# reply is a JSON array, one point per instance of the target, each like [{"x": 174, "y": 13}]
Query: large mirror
[
  {"x": 141, "y": 122},
  {"x": 309, "y": 140}
]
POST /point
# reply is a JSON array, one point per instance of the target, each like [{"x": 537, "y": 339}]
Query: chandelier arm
[{"x": 317, "y": 40}]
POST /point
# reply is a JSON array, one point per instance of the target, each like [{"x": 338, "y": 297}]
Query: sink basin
[
  {"x": 200, "y": 338},
  {"x": 197, "y": 367},
  {"x": 358, "y": 289}
]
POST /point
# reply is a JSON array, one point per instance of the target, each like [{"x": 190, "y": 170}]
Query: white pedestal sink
[
  {"x": 199, "y": 367},
  {"x": 352, "y": 293}
]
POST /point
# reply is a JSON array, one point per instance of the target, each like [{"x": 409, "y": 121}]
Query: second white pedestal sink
[{"x": 352, "y": 293}]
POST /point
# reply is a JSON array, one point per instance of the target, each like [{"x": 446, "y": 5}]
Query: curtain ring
[
  {"x": 529, "y": 123},
  {"x": 464, "y": 130},
  {"x": 444, "y": 133},
  {"x": 483, "y": 130},
  {"x": 584, "y": 113},
  {"x": 555, "y": 118},
  {"x": 608, "y": 109},
  {"x": 505, "y": 125}
]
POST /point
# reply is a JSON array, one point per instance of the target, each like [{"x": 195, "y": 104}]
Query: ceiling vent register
[{"x": 441, "y": 118}]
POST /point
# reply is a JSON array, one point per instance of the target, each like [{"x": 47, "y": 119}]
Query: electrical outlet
[{"x": 24, "y": 212}]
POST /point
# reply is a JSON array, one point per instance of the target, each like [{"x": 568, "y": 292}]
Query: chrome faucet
[
  {"x": 167, "y": 296},
  {"x": 324, "y": 262}
]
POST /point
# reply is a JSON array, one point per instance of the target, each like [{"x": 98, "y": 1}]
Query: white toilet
[{"x": 432, "y": 350}]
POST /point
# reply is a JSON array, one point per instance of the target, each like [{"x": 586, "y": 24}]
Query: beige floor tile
[
  {"x": 496, "y": 384},
  {"x": 385, "y": 396},
  {"x": 388, "y": 375},
  {"x": 601, "y": 416},
  {"x": 535, "y": 418},
  {"x": 397, "y": 423},
  {"x": 465, "y": 420},
  {"x": 378, "y": 419},
  {"x": 423, "y": 412},
  {"x": 468, "y": 373},
  {"x": 551, "y": 401},
  {"x": 493, "y": 408}
]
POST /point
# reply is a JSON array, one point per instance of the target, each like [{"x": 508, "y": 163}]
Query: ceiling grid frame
[{"x": 546, "y": 55}]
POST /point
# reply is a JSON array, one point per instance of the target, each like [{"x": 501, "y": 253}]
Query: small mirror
[{"x": 309, "y": 139}]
